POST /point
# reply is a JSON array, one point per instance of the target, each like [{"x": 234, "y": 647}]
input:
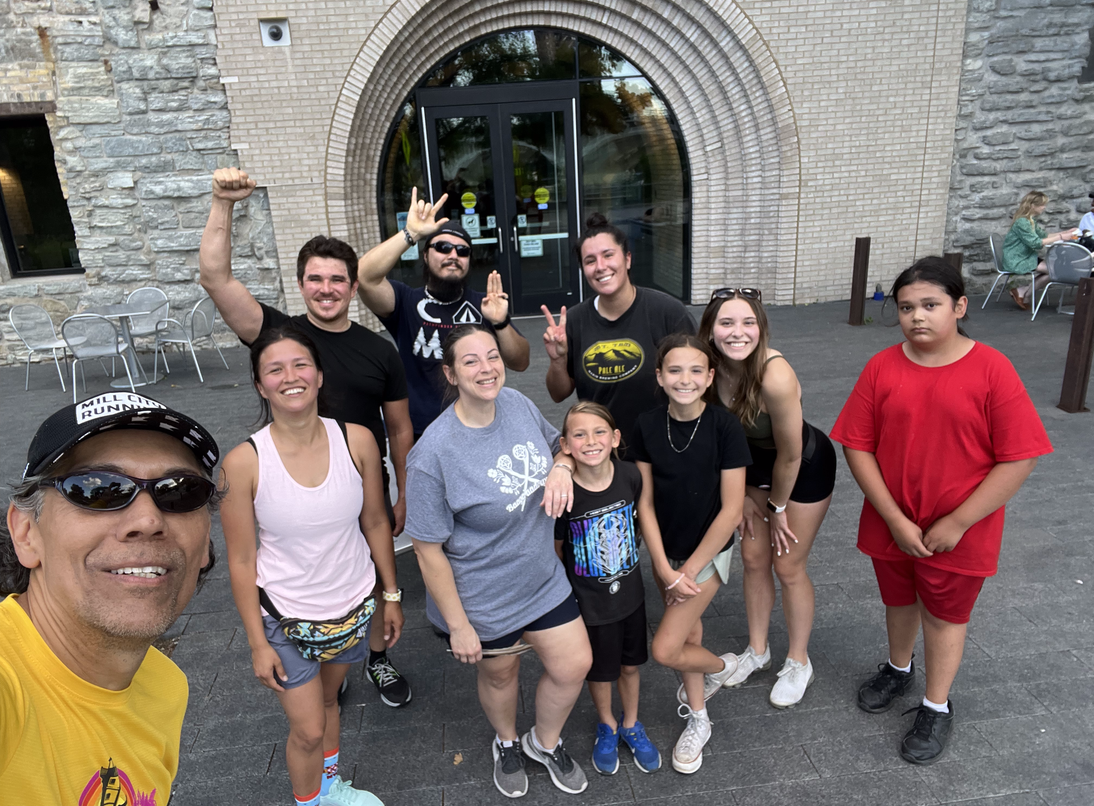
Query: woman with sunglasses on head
[
  {"x": 606, "y": 346},
  {"x": 313, "y": 486},
  {"x": 486, "y": 549},
  {"x": 789, "y": 484}
]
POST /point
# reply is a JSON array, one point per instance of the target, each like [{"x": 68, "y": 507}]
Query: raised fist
[{"x": 231, "y": 184}]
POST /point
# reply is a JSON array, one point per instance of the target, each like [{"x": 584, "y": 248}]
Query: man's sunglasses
[
  {"x": 730, "y": 293},
  {"x": 106, "y": 491},
  {"x": 444, "y": 247}
]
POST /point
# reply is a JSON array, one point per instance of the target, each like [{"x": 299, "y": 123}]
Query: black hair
[
  {"x": 597, "y": 224},
  {"x": 448, "y": 354},
  {"x": 936, "y": 271},
  {"x": 322, "y": 246},
  {"x": 272, "y": 336}
]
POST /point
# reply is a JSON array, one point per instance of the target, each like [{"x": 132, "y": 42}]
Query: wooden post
[
  {"x": 1079, "y": 351},
  {"x": 858, "y": 281},
  {"x": 955, "y": 259}
]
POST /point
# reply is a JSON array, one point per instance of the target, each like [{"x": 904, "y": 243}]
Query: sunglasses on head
[
  {"x": 730, "y": 293},
  {"x": 106, "y": 491},
  {"x": 444, "y": 247}
]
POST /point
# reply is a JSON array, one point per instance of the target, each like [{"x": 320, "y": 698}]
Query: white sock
[
  {"x": 509, "y": 743},
  {"x": 944, "y": 708},
  {"x": 540, "y": 747},
  {"x": 701, "y": 714},
  {"x": 904, "y": 669}
]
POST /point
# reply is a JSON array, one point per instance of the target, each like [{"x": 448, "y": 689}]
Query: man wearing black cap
[
  {"x": 419, "y": 319},
  {"x": 107, "y": 535}
]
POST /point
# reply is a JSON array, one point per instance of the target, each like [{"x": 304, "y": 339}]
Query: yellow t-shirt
[{"x": 66, "y": 742}]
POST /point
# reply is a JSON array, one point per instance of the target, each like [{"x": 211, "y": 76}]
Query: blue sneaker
[
  {"x": 606, "y": 750},
  {"x": 646, "y": 757}
]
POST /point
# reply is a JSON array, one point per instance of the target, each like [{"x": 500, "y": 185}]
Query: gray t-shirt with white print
[{"x": 478, "y": 491}]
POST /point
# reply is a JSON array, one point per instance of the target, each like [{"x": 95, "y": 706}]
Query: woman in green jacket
[{"x": 1024, "y": 242}]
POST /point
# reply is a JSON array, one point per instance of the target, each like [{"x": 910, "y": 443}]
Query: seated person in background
[
  {"x": 1086, "y": 227},
  {"x": 107, "y": 535},
  {"x": 1024, "y": 242}
]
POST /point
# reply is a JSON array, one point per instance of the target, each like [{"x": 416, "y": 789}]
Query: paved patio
[{"x": 1024, "y": 696}]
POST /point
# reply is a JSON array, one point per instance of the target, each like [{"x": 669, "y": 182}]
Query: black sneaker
[
  {"x": 393, "y": 687},
  {"x": 926, "y": 741},
  {"x": 876, "y": 695}
]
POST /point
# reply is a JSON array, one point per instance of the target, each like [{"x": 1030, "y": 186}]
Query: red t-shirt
[{"x": 936, "y": 433}]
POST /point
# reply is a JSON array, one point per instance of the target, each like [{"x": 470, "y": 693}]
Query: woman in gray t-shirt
[{"x": 486, "y": 550}]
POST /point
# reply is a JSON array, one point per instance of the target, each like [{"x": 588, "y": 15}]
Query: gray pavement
[{"x": 1024, "y": 697}]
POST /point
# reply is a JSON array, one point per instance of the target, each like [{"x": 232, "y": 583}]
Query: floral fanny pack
[{"x": 323, "y": 640}]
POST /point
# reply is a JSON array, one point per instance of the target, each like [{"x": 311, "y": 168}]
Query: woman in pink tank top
[{"x": 313, "y": 489}]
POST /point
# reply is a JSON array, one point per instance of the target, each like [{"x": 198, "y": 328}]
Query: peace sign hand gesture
[
  {"x": 495, "y": 305},
  {"x": 421, "y": 219},
  {"x": 554, "y": 339}
]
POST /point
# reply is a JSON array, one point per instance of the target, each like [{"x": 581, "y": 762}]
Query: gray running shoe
[
  {"x": 509, "y": 775},
  {"x": 565, "y": 773}
]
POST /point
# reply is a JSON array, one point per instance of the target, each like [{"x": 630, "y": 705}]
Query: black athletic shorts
[
  {"x": 621, "y": 643},
  {"x": 817, "y": 475},
  {"x": 563, "y": 614}
]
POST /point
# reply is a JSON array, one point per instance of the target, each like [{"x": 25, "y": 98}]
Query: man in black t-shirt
[
  {"x": 419, "y": 319},
  {"x": 362, "y": 374}
]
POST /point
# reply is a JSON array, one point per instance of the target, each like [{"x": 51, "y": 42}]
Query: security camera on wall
[{"x": 275, "y": 32}]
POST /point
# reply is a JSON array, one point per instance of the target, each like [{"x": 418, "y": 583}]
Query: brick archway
[{"x": 711, "y": 66}]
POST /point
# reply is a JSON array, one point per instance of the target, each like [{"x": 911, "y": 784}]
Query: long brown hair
[
  {"x": 746, "y": 404},
  {"x": 1029, "y": 201}
]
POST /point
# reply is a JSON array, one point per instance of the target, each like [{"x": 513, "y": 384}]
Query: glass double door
[{"x": 510, "y": 174}]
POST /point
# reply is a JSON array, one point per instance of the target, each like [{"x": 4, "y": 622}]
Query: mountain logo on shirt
[
  {"x": 467, "y": 314},
  {"x": 613, "y": 360},
  {"x": 110, "y": 786}
]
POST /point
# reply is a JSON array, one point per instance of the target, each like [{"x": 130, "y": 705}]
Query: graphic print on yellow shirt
[
  {"x": 71, "y": 743},
  {"x": 613, "y": 360}
]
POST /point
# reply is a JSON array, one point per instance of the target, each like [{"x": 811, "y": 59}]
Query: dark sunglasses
[
  {"x": 104, "y": 491},
  {"x": 730, "y": 293},
  {"x": 444, "y": 247}
]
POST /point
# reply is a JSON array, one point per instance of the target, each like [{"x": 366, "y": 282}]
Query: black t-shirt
[
  {"x": 600, "y": 548},
  {"x": 687, "y": 486},
  {"x": 361, "y": 371},
  {"x": 419, "y": 325},
  {"x": 614, "y": 362}
]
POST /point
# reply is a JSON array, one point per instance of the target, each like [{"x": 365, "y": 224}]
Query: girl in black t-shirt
[{"x": 692, "y": 458}]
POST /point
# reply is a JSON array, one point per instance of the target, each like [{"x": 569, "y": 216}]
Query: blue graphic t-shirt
[{"x": 600, "y": 548}]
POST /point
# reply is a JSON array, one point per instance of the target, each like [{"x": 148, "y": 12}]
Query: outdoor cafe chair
[
  {"x": 33, "y": 325},
  {"x": 996, "y": 242},
  {"x": 198, "y": 324},
  {"x": 144, "y": 324},
  {"x": 93, "y": 337},
  {"x": 1067, "y": 264}
]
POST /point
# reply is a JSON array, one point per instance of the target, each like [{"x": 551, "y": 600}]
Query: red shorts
[{"x": 947, "y": 595}]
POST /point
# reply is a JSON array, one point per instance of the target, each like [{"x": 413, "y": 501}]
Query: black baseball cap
[
  {"x": 449, "y": 228},
  {"x": 66, "y": 428}
]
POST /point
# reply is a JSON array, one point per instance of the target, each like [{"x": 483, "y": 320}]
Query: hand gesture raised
[
  {"x": 495, "y": 305},
  {"x": 232, "y": 184},
  {"x": 421, "y": 218},
  {"x": 554, "y": 339}
]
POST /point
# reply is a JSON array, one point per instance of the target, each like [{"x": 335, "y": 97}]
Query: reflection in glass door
[{"x": 509, "y": 178}]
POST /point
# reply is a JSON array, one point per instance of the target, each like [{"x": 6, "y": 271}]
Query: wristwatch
[
  {"x": 394, "y": 597},
  {"x": 776, "y": 509}
]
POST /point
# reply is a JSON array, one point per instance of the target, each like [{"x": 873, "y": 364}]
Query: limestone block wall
[
  {"x": 139, "y": 121},
  {"x": 1025, "y": 121}
]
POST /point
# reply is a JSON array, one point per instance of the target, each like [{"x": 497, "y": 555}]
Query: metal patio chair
[
  {"x": 995, "y": 240},
  {"x": 34, "y": 327},
  {"x": 1067, "y": 264},
  {"x": 144, "y": 324},
  {"x": 198, "y": 324},
  {"x": 91, "y": 337}
]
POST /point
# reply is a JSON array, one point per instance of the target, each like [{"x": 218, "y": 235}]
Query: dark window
[
  {"x": 1087, "y": 76},
  {"x": 34, "y": 222}
]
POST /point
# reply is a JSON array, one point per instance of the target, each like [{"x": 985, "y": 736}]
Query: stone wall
[
  {"x": 141, "y": 122},
  {"x": 1024, "y": 121}
]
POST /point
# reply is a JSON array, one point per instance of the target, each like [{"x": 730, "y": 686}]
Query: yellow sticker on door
[
  {"x": 542, "y": 196},
  {"x": 614, "y": 360},
  {"x": 468, "y": 200}
]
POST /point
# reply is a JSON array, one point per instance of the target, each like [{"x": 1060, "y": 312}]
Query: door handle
[
  {"x": 516, "y": 240},
  {"x": 501, "y": 239}
]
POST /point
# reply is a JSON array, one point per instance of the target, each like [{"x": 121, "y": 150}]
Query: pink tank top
[{"x": 313, "y": 560}]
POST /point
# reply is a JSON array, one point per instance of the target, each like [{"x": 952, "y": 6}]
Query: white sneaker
[
  {"x": 687, "y": 756},
  {"x": 794, "y": 679},
  {"x": 747, "y": 663},
  {"x": 342, "y": 794},
  {"x": 712, "y": 683}
]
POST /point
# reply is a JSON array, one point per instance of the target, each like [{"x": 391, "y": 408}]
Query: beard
[{"x": 444, "y": 289}]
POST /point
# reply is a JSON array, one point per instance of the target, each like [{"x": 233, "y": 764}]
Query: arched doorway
[
  {"x": 707, "y": 61},
  {"x": 528, "y": 131}
]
